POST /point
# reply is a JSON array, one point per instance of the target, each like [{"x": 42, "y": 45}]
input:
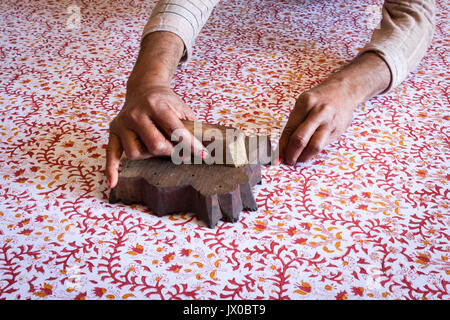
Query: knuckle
[
  {"x": 113, "y": 125},
  {"x": 158, "y": 148},
  {"x": 132, "y": 154},
  {"x": 134, "y": 116},
  {"x": 155, "y": 100},
  {"x": 151, "y": 99},
  {"x": 315, "y": 148},
  {"x": 297, "y": 141},
  {"x": 326, "y": 108},
  {"x": 308, "y": 98},
  {"x": 288, "y": 131}
]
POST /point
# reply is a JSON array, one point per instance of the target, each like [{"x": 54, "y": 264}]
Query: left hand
[
  {"x": 324, "y": 112},
  {"x": 320, "y": 116}
]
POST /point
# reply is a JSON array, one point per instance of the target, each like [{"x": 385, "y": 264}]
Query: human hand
[
  {"x": 320, "y": 116},
  {"x": 324, "y": 112},
  {"x": 149, "y": 116},
  {"x": 152, "y": 111}
]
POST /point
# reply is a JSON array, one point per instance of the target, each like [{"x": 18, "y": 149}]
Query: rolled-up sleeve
[
  {"x": 185, "y": 18},
  {"x": 404, "y": 36}
]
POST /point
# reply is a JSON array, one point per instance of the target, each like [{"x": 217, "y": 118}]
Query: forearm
[
  {"x": 404, "y": 35},
  {"x": 158, "y": 59},
  {"x": 184, "y": 18}
]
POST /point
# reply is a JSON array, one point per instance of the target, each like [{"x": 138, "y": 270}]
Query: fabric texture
[{"x": 368, "y": 218}]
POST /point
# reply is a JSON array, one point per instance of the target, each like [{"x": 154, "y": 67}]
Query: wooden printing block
[
  {"x": 229, "y": 141},
  {"x": 213, "y": 192}
]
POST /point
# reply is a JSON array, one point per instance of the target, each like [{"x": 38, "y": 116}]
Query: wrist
[
  {"x": 366, "y": 76},
  {"x": 158, "y": 59},
  {"x": 148, "y": 79}
]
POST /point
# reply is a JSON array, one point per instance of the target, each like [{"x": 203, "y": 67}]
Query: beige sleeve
[
  {"x": 185, "y": 18},
  {"x": 406, "y": 30}
]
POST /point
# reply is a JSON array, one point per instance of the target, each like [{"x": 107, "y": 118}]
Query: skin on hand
[
  {"x": 320, "y": 115},
  {"x": 324, "y": 112},
  {"x": 142, "y": 126},
  {"x": 152, "y": 111}
]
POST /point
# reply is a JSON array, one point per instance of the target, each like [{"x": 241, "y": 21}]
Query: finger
[
  {"x": 316, "y": 144},
  {"x": 287, "y": 131},
  {"x": 173, "y": 127},
  {"x": 295, "y": 118},
  {"x": 134, "y": 149},
  {"x": 180, "y": 108},
  {"x": 155, "y": 142},
  {"x": 188, "y": 113},
  {"x": 299, "y": 139},
  {"x": 113, "y": 154}
]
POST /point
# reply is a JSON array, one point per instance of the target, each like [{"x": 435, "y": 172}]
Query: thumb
[
  {"x": 282, "y": 143},
  {"x": 113, "y": 154}
]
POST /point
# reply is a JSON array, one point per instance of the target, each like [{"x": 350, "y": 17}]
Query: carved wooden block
[{"x": 213, "y": 192}]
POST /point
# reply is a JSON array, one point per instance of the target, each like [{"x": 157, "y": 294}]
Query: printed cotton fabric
[{"x": 368, "y": 218}]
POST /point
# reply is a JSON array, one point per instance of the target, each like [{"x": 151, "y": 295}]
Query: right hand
[{"x": 144, "y": 126}]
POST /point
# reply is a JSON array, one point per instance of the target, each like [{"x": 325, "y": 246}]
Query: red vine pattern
[{"x": 366, "y": 219}]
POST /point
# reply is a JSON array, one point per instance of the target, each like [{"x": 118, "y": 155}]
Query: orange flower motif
[
  {"x": 422, "y": 258},
  {"x": 292, "y": 231},
  {"x": 341, "y": 295},
  {"x": 81, "y": 296},
  {"x": 26, "y": 232},
  {"x": 260, "y": 225},
  {"x": 185, "y": 252},
  {"x": 358, "y": 291},
  {"x": 421, "y": 173},
  {"x": 303, "y": 288},
  {"x": 175, "y": 268},
  {"x": 323, "y": 193},
  {"x": 68, "y": 144},
  {"x": 46, "y": 290},
  {"x": 169, "y": 257},
  {"x": 99, "y": 291},
  {"x": 19, "y": 172},
  {"x": 136, "y": 250},
  {"x": 301, "y": 241}
]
